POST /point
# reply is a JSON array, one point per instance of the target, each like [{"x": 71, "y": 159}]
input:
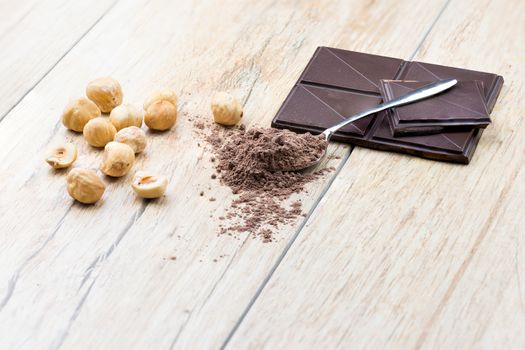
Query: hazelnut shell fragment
[
  {"x": 62, "y": 156},
  {"x": 149, "y": 185}
]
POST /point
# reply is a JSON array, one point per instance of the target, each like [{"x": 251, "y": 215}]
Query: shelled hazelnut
[
  {"x": 78, "y": 112},
  {"x": 85, "y": 185},
  {"x": 126, "y": 115},
  {"x": 99, "y": 131},
  {"x": 226, "y": 109},
  {"x": 117, "y": 160},
  {"x": 62, "y": 156},
  {"x": 133, "y": 137},
  {"x": 160, "y": 115},
  {"x": 106, "y": 92}
]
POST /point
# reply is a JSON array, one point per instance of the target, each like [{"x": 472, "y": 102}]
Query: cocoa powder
[{"x": 249, "y": 162}]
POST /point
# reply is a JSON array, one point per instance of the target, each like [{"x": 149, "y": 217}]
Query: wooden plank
[
  {"x": 34, "y": 35},
  {"x": 410, "y": 253},
  {"x": 71, "y": 269}
]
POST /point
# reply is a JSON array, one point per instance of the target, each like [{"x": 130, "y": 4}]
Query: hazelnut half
[
  {"x": 85, "y": 185},
  {"x": 105, "y": 92},
  {"x": 117, "y": 160},
  {"x": 160, "y": 115},
  {"x": 99, "y": 131},
  {"x": 126, "y": 115},
  {"x": 78, "y": 112},
  {"x": 62, "y": 156},
  {"x": 166, "y": 94},
  {"x": 133, "y": 137},
  {"x": 149, "y": 185},
  {"x": 226, "y": 109}
]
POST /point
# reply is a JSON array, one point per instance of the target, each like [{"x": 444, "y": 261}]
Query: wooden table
[{"x": 395, "y": 251}]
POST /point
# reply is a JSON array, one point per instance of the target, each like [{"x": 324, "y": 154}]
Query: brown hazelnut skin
[
  {"x": 78, "y": 112},
  {"x": 99, "y": 131},
  {"x": 160, "y": 115},
  {"x": 106, "y": 92},
  {"x": 117, "y": 160},
  {"x": 85, "y": 185}
]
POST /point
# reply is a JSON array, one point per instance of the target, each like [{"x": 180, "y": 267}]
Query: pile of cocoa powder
[{"x": 250, "y": 163}]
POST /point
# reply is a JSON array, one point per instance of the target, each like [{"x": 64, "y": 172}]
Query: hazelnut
[
  {"x": 226, "y": 109},
  {"x": 105, "y": 92},
  {"x": 126, "y": 115},
  {"x": 78, "y": 112},
  {"x": 160, "y": 115},
  {"x": 133, "y": 137},
  {"x": 149, "y": 185},
  {"x": 99, "y": 131},
  {"x": 117, "y": 160},
  {"x": 62, "y": 156},
  {"x": 85, "y": 185},
  {"x": 167, "y": 95}
]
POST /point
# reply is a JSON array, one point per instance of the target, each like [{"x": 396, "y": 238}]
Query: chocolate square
[
  {"x": 460, "y": 107},
  {"x": 338, "y": 83}
]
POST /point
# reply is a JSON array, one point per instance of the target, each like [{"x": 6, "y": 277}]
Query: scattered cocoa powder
[{"x": 250, "y": 162}]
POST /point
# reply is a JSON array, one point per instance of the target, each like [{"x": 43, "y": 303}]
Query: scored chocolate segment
[
  {"x": 350, "y": 70},
  {"x": 339, "y": 83},
  {"x": 463, "y": 106},
  {"x": 331, "y": 105},
  {"x": 420, "y": 71}
]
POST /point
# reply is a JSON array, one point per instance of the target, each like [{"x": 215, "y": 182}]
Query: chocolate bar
[
  {"x": 460, "y": 107},
  {"x": 338, "y": 83}
]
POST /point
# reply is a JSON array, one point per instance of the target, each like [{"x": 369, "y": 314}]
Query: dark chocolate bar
[
  {"x": 462, "y": 106},
  {"x": 338, "y": 83}
]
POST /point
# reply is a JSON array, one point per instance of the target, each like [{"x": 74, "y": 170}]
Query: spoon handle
[{"x": 416, "y": 95}]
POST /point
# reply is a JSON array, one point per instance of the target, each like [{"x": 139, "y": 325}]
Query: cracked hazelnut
[
  {"x": 133, "y": 137},
  {"x": 117, "y": 160},
  {"x": 99, "y": 131},
  {"x": 149, "y": 185},
  {"x": 126, "y": 115},
  {"x": 166, "y": 94},
  {"x": 62, "y": 156},
  {"x": 105, "y": 92},
  {"x": 78, "y": 112},
  {"x": 226, "y": 109},
  {"x": 85, "y": 185},
  {"x": 160, "y": 115}
]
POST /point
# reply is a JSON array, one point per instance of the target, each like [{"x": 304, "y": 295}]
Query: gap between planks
[{"x": 315, "y": 205}]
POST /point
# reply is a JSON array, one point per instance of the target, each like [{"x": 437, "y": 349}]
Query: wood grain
[
  {"x": 409, "y": 253},
  {"x": 101, "y": 276},
  {"x": 34, "y": 35}
]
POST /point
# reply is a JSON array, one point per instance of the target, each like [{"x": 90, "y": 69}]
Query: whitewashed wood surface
[
  {"x": 404, "y": 253},
  {"x": 396, "y": 252}
]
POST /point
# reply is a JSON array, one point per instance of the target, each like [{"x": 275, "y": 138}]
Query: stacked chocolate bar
[{"x": 337, "y": 84}]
